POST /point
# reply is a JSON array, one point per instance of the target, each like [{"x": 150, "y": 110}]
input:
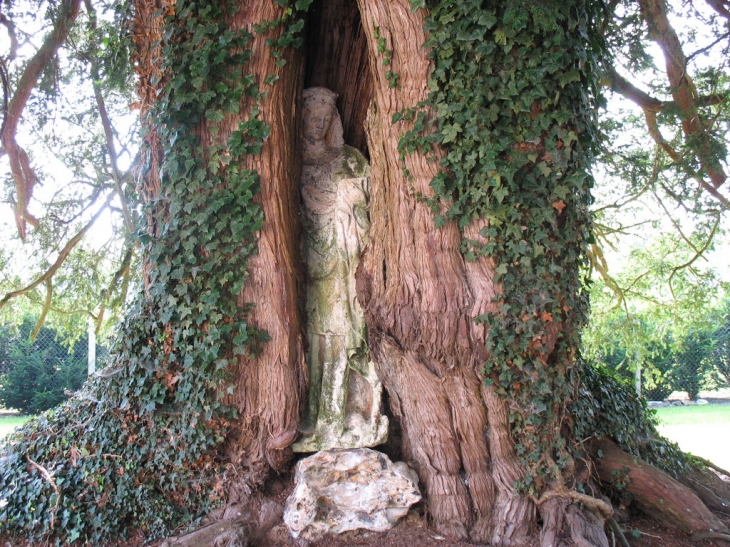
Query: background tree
[
  {"x": 38, "y": 374},
  {"x": 658, "y": 295},
  {"x": 481, "y": 131},
  {"x": 720, "y": 356},
  {"x": 64, "y": 80}
]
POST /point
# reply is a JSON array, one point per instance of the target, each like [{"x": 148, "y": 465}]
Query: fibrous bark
[
  {"x": 420, "y": 300},
  {"x": 271, "y": 385},
  {"x": 655, "y": 492}
]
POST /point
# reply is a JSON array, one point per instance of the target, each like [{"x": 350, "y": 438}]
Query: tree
[
  {"x": 65, "y": 148},
  {"x": 36, "y": 375},
  {"x": 480, "y": 133},
  {"x": 720, "y": 353}
]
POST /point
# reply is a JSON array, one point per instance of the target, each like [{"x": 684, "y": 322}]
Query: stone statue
[{"x": 345, "y": 394}]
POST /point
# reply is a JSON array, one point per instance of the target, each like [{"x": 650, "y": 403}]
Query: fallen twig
[
  {"x": 710, "y": 535},
  {"x": 46, "y": 475}
]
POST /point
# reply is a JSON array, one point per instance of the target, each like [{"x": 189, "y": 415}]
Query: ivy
[
  {"x": 391, "y": 76},
  {"x": 514, "y": 90},
  {"x": 605, "y": 405},
  {"x": 137, "y": 446}
]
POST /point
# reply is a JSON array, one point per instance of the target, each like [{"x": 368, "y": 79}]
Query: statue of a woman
[{"x": 345, "y": 394}]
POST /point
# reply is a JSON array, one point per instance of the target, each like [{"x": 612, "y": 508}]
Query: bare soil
[{"x": 413, "y": 532}]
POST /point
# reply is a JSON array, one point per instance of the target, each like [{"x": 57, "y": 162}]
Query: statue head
[{"x": 321, "y": 121}]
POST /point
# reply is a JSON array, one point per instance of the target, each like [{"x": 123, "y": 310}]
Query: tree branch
[
  {"x": 121, "y": 273},
  {"x": 709, "y": 47},
  {"x": 23, "y": 174},
  {"x": 6, "y": 93},
  {"x": 698, "y": 253},
  {"x": 106, "y": 123},
  {"x": 625, "y": 88},
  {"x": 8, "y": 24},
  {"x": 721, "y": 6},
  {"x": 61, "y": 257},
  {"x": 682, "y": 89},
  {"x": 655, "y": 133},
  {"x": 46, "y": 307}
]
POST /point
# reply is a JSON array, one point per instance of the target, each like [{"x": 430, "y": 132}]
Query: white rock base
[{"x": 341, "y": 490}]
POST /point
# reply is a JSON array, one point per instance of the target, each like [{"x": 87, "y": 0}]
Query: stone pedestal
[{"x": 341, "y": 490}]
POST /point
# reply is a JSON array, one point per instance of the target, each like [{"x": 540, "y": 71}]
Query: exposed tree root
[
  {"x": 239, "y": 527},
  {"x": 711, "y": 489},
  {"x": 711, "y": 465},
  {"x": 656, "y": 493},
  {"x": 618, "y": 532},
  {"x": 710, "y": 535},
  {"x": 586, "y": 528}
]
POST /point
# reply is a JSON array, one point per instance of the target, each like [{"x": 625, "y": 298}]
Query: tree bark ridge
[
  {"x": 271, "y": 384},
  {"x": 655, "y": 492}
]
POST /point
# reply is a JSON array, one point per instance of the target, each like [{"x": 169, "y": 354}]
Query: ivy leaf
[
  {"x": 214, "y": 115},
  {"x": 544, "y": 169},
  {"x": 450, "y": 132},
  {"x": 500, "y": 37}
]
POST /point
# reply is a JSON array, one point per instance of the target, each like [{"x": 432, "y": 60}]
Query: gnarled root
[
  {"x": 655, "y": 492},
  {"x": 239, "y": 527},
  {"x": 710, "y": 535},
  {"x": 711, "y": 489}
]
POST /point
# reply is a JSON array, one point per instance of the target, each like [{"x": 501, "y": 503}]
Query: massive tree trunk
[
  {"x": 419, "y": 292},
  {"x": 421, "y": 299},
  {"x": 270, "y": 385}
]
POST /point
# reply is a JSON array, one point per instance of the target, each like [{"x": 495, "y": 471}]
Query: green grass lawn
[
  {"x": 8, "y": 423},
  {"x": 702, "y": 430}
]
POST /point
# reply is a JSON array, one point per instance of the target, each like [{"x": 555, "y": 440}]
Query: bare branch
[
  {"x": 709, "y": 47},
  {"x": 61, "y": 257},
  {"x": 674, "y": 222},
  {"x": 23, "y": 175},
  {"x": 698, "y": 253},
  {"x": 10, "y": 26},
  {"x": 682, "y": 89},
  {"x": 721, "y": 6},
  {"x": 46, "y": 308},
  {"x": 106, "y": 123},
  {"x": 123, "y": 274},
  {"x": 623, "y": 87},
  {"x": 626, "y": 89},
  {"x": 4, "y": 81}
]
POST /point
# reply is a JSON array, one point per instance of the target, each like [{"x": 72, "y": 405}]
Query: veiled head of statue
[{"x": 321, "y": 121}]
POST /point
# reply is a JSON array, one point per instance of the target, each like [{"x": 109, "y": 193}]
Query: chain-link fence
[
  {"x": 697, "y": 365},
  {"x": 39, "y": 373}
]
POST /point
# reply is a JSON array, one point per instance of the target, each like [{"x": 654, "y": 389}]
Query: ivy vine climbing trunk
[
  {"x": 268, "y": 383},
  {"x": 479, "y": 124},
  {"x": 421, "y": 298}
]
